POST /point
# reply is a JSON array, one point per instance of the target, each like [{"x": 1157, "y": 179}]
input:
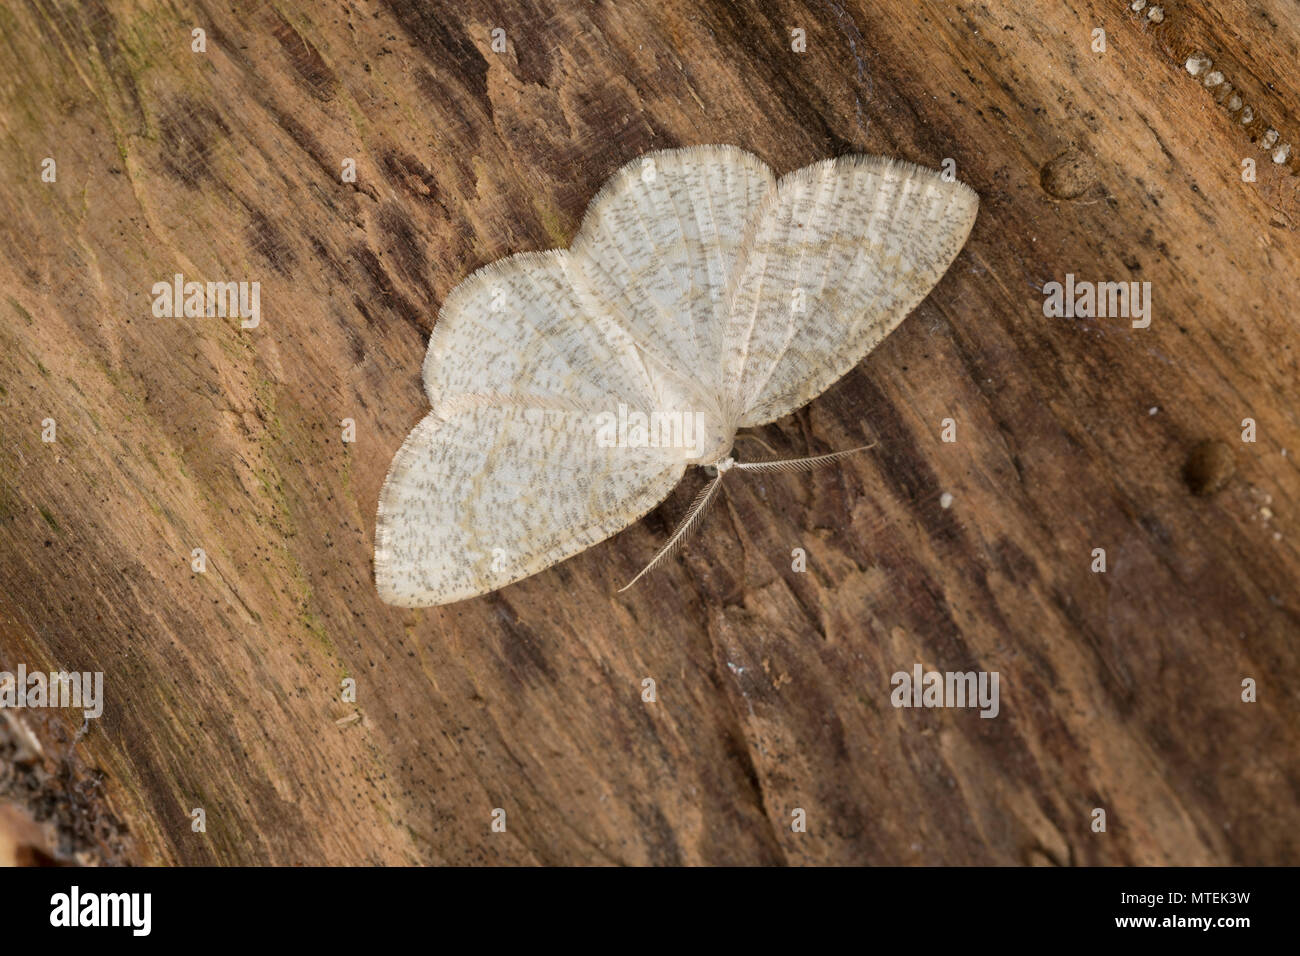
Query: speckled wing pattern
[
  {"x": 837, "y": 256},
  {"x": 679, "y": 288},
  {"x": 495, "y": 494},
  {"x": 657, "y": 246},
  {"x": 504, "y": 477}
]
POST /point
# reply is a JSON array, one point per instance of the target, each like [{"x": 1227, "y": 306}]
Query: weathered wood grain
[{"x": 1119, "y": 690}]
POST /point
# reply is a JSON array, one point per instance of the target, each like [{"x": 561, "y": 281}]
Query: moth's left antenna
[
  {"x": 695, "y": 514},
  {"x": 694, "y": 517}
]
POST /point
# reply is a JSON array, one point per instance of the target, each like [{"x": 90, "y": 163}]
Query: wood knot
[
  {"x": 1069, "y": 175},
  {"x": 1208, "y": 467}
]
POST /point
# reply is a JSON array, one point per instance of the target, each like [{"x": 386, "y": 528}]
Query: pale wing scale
[
  {"x": 495, "y": 494},
  {"x": 835, "y": 259},
  {"x": 505, "y": 476},
  {"x": 657, "y": 245},
  {"x": 515, "y": 328}
]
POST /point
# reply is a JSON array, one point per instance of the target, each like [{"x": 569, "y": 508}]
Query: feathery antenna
[
  {"x": 800, "y": 464},
  {"x": 695, "y": 514}
]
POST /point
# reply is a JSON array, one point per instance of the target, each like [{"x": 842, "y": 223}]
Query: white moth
[{"x": 571, "y": 389}]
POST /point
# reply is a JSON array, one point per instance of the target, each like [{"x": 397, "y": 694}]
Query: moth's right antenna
[{"x": 800, "y": 464}]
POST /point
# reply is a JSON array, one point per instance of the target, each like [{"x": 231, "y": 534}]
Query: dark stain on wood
[{"x": 190, "y": 132}]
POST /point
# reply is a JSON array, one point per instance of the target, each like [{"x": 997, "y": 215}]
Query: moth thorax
[{"x": 713, "y": 441}]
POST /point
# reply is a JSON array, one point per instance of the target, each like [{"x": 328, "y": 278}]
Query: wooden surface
[{"x": 1119, "y": 691}]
